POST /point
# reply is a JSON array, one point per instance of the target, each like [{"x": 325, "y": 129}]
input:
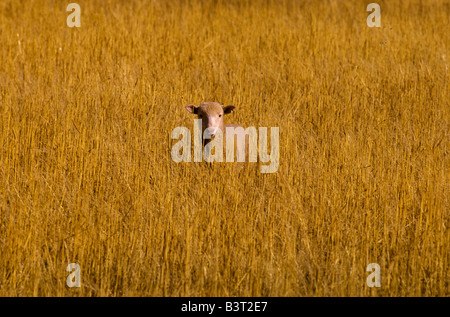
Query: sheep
[{"x": 211, "y": 115}]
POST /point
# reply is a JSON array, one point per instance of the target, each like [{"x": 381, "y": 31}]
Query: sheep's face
[{"x": 211, "y": 114}]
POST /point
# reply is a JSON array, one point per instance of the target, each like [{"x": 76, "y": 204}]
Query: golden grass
[{"x": 86, "y": 174}]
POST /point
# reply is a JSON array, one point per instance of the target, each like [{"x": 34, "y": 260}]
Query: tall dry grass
[{"x": 86, "y": 174}]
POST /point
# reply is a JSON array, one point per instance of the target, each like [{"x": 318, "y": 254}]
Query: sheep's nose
[{"x": 212, "y": 131}]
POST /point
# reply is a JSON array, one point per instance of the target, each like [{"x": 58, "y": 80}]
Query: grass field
[{"x": 86, "y": 174}]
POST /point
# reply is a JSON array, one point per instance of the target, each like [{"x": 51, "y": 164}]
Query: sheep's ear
[
  {"x": 228, "y": 109},
  {"x": 192, "y": 109}
]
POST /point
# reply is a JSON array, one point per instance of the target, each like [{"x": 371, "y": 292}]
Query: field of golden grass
[{"x": 86, "y": 174}]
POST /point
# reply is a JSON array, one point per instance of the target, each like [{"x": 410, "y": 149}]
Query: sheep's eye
[{"x": 220, "y": 115}]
